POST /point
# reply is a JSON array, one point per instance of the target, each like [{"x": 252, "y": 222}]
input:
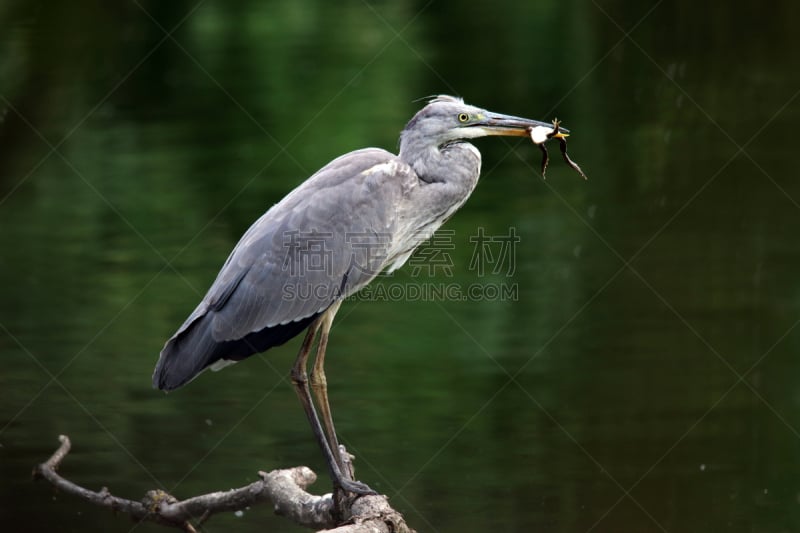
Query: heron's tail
[
  {"x": 190, "y": 351},
  {"x": 193, "y": 348}
]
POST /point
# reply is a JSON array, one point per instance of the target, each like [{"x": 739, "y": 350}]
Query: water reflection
[{"x": 534, "y": 414}]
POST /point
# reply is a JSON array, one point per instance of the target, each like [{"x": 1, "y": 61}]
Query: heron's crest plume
[
  {"x": 438, "y": 97},
  {"x": 445, "y": 98}
]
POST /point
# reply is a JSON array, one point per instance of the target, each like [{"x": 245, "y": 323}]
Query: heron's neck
[{"x": 457, "y": 163}]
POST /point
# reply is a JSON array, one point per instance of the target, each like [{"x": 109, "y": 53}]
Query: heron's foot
[{"x": 356, "y": 487}]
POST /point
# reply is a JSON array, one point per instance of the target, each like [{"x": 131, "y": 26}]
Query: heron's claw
[{"x": 356, "y": 487}]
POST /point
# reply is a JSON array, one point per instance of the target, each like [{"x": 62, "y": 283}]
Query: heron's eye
[{"x": 463, "y": 117}]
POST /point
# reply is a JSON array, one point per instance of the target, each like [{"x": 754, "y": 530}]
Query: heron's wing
[{"x": 323, "y": 241}]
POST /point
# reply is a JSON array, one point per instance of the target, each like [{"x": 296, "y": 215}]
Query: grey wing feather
[{"x": 296, "y": 257}]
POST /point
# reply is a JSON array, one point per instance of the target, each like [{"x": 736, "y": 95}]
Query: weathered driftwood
[{"x": 285, "y": 489}]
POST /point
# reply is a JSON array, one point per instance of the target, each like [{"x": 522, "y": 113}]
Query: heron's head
[{"x": 447, "y": 119}]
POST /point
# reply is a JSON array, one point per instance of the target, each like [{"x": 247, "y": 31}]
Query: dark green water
[{"x": 644, "y": 378}]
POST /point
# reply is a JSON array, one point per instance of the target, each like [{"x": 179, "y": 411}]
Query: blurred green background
[{"x": 645, "y": 379}]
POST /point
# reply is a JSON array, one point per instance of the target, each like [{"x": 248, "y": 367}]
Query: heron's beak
[{"x": 498, "y": 124}]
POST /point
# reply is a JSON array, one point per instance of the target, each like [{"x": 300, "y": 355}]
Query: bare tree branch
[{"x": 285, "y": 489}]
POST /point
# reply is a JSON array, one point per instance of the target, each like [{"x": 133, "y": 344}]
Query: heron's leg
[
  {"x": 319, "y": 384},
  {"x": 300, "y": 381}
]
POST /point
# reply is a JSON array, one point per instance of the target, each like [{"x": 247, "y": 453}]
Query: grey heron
[{"x": 361, "y": 214}]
